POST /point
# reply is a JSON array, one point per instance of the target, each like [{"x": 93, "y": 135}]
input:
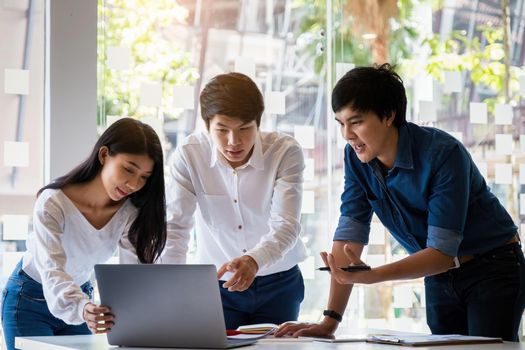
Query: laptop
[{"x": 177, "y": 306}]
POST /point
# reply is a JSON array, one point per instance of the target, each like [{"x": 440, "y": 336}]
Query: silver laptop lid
[{"x": 163, "y": 305}]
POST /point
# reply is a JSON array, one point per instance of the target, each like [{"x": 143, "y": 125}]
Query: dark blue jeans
[
  {"x": 25, "y": 311},
  {"x": 275, "y": 298},
  {"x": 485, "y": 296}
]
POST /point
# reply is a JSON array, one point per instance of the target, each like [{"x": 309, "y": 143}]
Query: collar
[
  {"x": 256, "y": 159},
  {"x": 404, "y": 157}
]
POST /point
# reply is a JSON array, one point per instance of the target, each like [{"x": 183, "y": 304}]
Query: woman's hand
[{"x": 99, "y": 318}]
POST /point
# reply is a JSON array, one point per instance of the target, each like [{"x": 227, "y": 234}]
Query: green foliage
[{"x": 147, "y": 29}]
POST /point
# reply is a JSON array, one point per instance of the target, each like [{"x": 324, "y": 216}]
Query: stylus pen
[{"x": 349, "y": 268}]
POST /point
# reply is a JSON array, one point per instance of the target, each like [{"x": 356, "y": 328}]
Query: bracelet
[{"x": 332, "y": 314}]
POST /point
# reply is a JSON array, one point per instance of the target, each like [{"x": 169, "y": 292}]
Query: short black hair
[
  {"x": 378, "y": 89},
  {"x": 234, "y": 95}
]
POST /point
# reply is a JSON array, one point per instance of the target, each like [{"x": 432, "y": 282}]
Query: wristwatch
[{"x": 332, "y": 314}]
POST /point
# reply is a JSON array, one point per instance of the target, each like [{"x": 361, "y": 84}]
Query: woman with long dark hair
[{"x": 114, "y": 199}]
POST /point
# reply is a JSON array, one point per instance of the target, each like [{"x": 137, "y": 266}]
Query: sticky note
[
  {"x": 478, "y": 113},
  {"x": 423, "y": 87},
  {"x": 118, "y": 57},
  {"x": 9, "y": 261},
  {"x": 150, "y": 94},
  {"x": 377, "y": 233},
  {"x": 308, "y": 268},
  {"x": 156, "y": 124},
  {"x": 16, "y": 154},
  {"x": 309, "y": 169},
  {"x": 504, "y": 143},
  {"x": 427, "y": 111},
  {"x": 503, "y": 114},
  {"x": 452, "y": 82},
  {"x": 503, "y": 173},
  {"x": 308, "y": 205},
  {"x": 305, "y": 135},
  {"x": 184, "y": 96},
  {"x": 15, "y": 227},
  {"x": 341, "y": 68},
  {"x": 246, "y": 66},
  {"x": 16, "y": 81},
  {"x": 275, "y": 102}
]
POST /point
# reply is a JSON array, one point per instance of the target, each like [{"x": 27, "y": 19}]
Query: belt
[{"x": 464, "y": 258}]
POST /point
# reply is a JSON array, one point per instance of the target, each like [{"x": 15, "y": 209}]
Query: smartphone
[{"x": 349, "y": 268}]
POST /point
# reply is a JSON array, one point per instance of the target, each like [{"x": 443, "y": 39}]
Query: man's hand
[
  {"x": 343, "y": 277},
  {"x": 99, "y": 318},
  {"x": 244, "y": 270},
  {"x": 324, "y": 329}
]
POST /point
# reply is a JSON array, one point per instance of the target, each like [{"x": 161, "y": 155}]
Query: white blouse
[{"x": 64, "y": 247}]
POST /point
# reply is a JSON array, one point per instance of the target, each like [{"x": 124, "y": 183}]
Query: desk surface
[{"x": 99, "y": 342}]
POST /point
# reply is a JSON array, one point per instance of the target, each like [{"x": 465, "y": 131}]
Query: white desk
[{"x": 98, "y": 342}]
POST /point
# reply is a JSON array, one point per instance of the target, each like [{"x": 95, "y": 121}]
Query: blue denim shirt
[{"x": 434, "y": 196}]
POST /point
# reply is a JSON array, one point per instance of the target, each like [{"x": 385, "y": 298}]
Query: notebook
[{"x": 176, "y": 306}]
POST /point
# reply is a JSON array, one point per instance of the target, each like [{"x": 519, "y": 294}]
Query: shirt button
[
  {"x": 244, "y": 250},
  {"x": 235, "y": 201},
  {"x": 239, "y": 227},
  {"x": 234, "y": 172}
]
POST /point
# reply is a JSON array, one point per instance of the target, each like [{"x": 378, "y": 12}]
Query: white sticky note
[
  {"x": 504, "y": 143},
  {"x": 15, "y": 227},
  {"x": 275, "y": 102},
  {"x": 308, "y": 268},
  {"x": 377, "y": 233},
  {"x": 458, "y": 135},
  {"x": 184, "y": 96},
  {"x": 118, "y": 57},
  {"x": 503, "y": 114},
  {"x": 483, "y": 169},
  {"x": 503, "y": 173},
  {"x": 452, "y": 82},
  {"x": 150, "y": 94},
  {"x": 522, "y": 92},
  {"x": 309, "y": 169},
  {"x": 305, "y": 135},
  {"x": 308, "y": 205},
  {"x": 341, "y": 68},
  {"x": 403, "y": 296},
  {"x": 423, "y": 87},
  {"x": 427, "y": 111},
  {"x": 16, "y": 154},
  {"x": 478, "y": 113},
  {"x": 375, "y": 259},
  {"x": 156, "y": 124},
  {"x": 522, "y": 174},
  {"x": 16, "y": 81},
  {"x": 245, "y": 65},
  {"x": 9, "y": 261},
  {"x": 522, "y": 203}
]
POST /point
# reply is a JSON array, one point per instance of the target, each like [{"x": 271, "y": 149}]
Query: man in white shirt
[{"x": 245, "y": 188}]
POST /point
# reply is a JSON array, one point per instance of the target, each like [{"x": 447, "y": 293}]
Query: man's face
[
  {"x": 234, "y": 138},
  {"x": 369, "y": 136}
]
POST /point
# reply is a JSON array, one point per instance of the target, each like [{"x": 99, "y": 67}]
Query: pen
[{"x": 348, "y": 268}]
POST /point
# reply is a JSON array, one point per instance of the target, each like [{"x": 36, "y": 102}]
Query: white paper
[
  {"x": 246, "y": 66},
  {"x": 458, "y": 135},
  {"x": 504, "y": 143},
  {"x": 341, "y": 68},
  {"x": 503, "y": 114},
  {"x": 503, "y": 173},
  {"x": 118, "y": 57},
  {"x": 309, "y": 169},
  {"x": 377, "y": 233},
  {"x": 9, "y": 261},
  {"x": 427, "y": 111},
  {"x": 483, "y": 169},
  {"x": 275, "y": 102},
  {"x": 15, "y": 227},
  {"x": 308, "y": 268},
  {"x": 478, "y": 113},
  {"x": 16, "y": 154},
  {"x": 150, "y": 94},
  {"x": 403, "y": 296},
  {"x": 16, "y": 81},
  {"x": 452, "y": 82},
  {"x": 308, "y": 205},
  {"x": 184, "y": 96},
  {"x": 305, "y": 135},
  {"x": 522, "y": 203}
]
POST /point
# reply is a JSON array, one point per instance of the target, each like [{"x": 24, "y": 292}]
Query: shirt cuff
[
  {"x": 349, "y": 229},
  {"x": 260, "y": 257},
  {"x": 445, "y": 240},
  {"x": 80, "y": 311}
]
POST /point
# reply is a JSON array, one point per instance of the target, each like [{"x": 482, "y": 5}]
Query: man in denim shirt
[{"x": 426, "y": 190}]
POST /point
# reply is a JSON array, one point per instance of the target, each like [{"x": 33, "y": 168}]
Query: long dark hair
[{"x": 148, "y": 231}]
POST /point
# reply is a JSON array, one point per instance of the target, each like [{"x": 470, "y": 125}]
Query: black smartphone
[{"x": 349, "y": 268}]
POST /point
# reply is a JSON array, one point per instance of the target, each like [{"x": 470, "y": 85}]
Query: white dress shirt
[
  {"x": 251, "y": 210},
  {"x": 64, "y": 247}
]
